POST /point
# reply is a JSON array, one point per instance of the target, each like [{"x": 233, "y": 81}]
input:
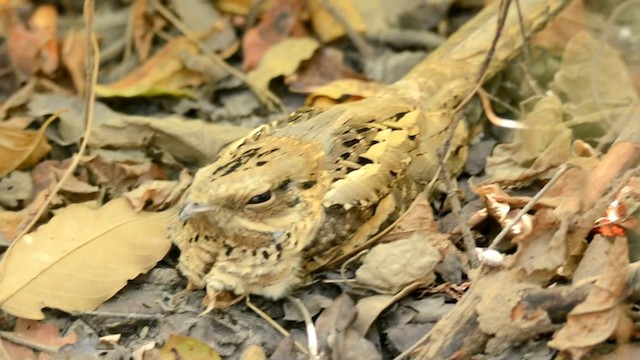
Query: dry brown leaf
[
  {"x": 189, "y": 141},
  {"x": 327, "y": 27},
  {"x": 419, "y": 217},
  {"x": 35, "y": 49},
  {"x": 119, "y": 171},
  {"x": 282, "y": 59},
  {"x": 326, "y": 66},
  {"x": 393, "y": 265},
  {"x": 601, "y": 315},
  {"x": 495, "y": 311},
  {"x": 12, "y": 222},
  {"x": 174, "y": 79},
  {"x": 47, "y": 174},
  {"x": 544, "y": 248},
  {"x": 81, "y": 258},
  {"x": 335, "y": 336},
  {"x": 183, "y": 347},
  {"x": 145, "y": 26},
  {"x": 280, "y": 21},
  {"x": 158, "y": 194},
  {"x": 20, "y": 149},
  {"x": 37, "y": 332}
]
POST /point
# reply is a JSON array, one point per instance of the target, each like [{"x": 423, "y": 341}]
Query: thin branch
[
  {"x": 498, "y": 239},
  {"x": 275, "y": 325},
  {"x": 19, "y": 340},
  {"x": 269, "y": 99},
  {"x": 93, "y": 57},
  {"x": 358, "y": 41}
]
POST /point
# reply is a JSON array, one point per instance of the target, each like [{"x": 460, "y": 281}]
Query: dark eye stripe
[{"x": 260, "y": 198}]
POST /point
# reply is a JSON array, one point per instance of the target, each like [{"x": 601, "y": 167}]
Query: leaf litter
[{"x": 107, "y": 224}]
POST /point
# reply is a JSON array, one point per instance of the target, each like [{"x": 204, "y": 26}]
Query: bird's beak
[{"x": 191, "y": 208}]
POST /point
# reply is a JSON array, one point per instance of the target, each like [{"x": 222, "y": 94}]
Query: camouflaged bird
[{"x": 291, "y": 192}]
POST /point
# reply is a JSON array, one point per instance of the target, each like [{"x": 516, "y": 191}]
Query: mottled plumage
[{"x": 287, "y": 193}]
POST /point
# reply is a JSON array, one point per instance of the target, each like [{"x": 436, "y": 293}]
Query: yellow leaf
[
  {"x": 283, "y": 58},
  {"x": 20, "y": 149},
  {"x": 81, "y": 258},
  {"x": 163, "y": 74},
  {"x": 326, "y": 26},
  {"x": 184, "y": 347},
  {"x": 338, "y": 89}
]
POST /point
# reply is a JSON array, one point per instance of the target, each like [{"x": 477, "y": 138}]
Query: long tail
[{"x": 451, "y": 72}]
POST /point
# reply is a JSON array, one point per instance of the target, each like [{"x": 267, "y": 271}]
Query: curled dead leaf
[
  {"x": 392, "y": 265},
  {"x": 21, "y": 149}
]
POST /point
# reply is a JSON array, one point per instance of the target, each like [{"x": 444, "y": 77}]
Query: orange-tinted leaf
[
  {"x": 35, "y": 49},
  {"x": 145, "y": 27},
  {"x": 37, "y": 332},
  {"x": 280, "y": 21}
]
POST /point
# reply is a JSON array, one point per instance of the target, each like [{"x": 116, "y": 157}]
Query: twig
[
  {"x": 93, "y": 57},
  {"x": 128, "y": 36},
  {"x": 456, "y": 209},
  {"x": 358, "y": 41},
  {"x": 443, "y": 152},
  {"x": 275, "y": 325},
  {"x": 343, "y": 267},
  {"x": 312, "y": 335},
  {"x": 265, "y": 96},
  {"x": 19, "y": 340},
  {"x": 534, "y": 200},
  {"x": 117, "y": 315}
]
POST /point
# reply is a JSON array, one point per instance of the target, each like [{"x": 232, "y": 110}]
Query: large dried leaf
[
  {"x": 81, "y": 258},
  {"x": 21, "y": 148},
  {"x": 393, "y": 265},
  {"x": 190, "y": 141},
  {"x": 282, "y": 59},
  {"x": 165, "y": 73},
  {"x": 601, "y": 315}
]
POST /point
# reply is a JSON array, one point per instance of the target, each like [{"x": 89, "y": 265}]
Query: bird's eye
[{"x": 260, "y": 198}]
